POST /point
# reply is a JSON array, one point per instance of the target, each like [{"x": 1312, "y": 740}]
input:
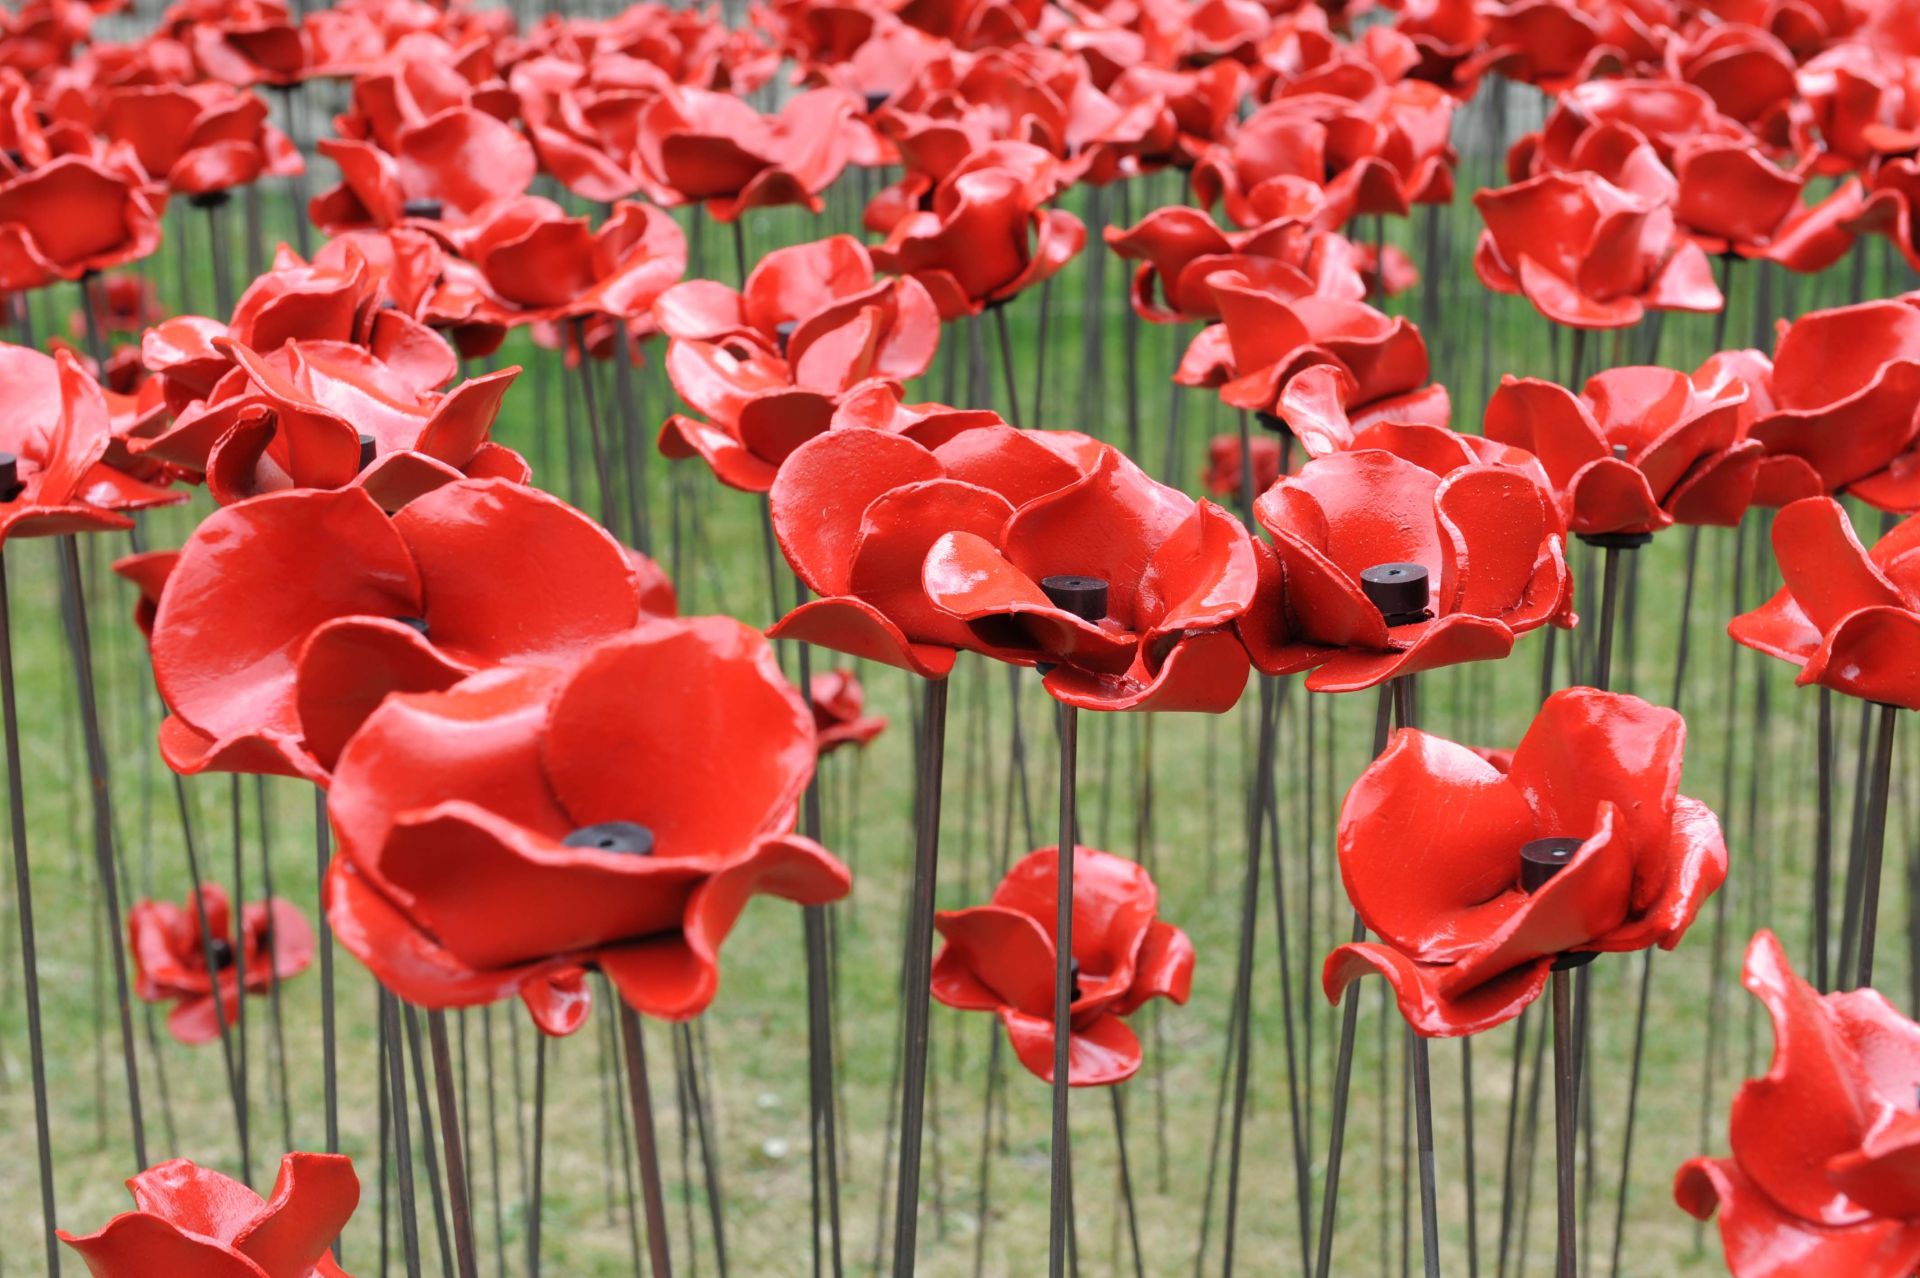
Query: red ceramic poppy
[
  {"x": 527, "y": 262},
  {"x": 188, "y": 1219},
  {"x": 122, "y": 303},
  {"x": 1381, "y": 151},
  {"x": 1817, "y": 1182},
  {"x": 1486, "y": 534},
  {"x": 505, "y": 836},
  {"x": 839, "y": 703},
  {"x": 56, "y": 436},
  {"x": 1180, "y": 250},
  {"x": 779, "y": 363},
  {"x": 243, "y": 42},
  {"x": 264, "y": 677},
  {"x": 1445, "y": 33},
  {"x": 1845, "y": 384},
  {"x": 1323, "y": 408},
  {"x": 1226, "y": 473},
  {"x": 983, "y": 241},
  {"x": 1855, "y": 107},
  {"x": 1848, "y": 617},
  {"x": 197, "y": 139},
  {"x": 1589, "y": 254},
  {"x": 856, "y": 510},
  {"x": 1539, "y": 42},
  {"x": 1267, "y": 337},
  {"x": 1638, "y": 450},
  {"x": 1000, "y": 958},
  {"x": 1205, "y": 102},
  {"x": 148, "y": 572},
  {"x": 1463, "y": 944},
  {"x": 170, "y": 957},
  {"x": 73, "y": 216},
  {"x": 693, "y": 145},
  {"x": 341, "y": 298},
  {"x": 423, "y": 75},
  {"x": 449, "y": 170},
  {"x": 1731, "y": 199},
  {"x": 1177, "y": 575},
  {"x": 1746, "y": 72}
]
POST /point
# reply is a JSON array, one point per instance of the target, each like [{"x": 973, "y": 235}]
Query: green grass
[{"x": 1760, "y": 778}]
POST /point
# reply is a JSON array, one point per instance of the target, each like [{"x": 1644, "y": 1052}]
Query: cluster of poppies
[{"x": 514, "y": 727}]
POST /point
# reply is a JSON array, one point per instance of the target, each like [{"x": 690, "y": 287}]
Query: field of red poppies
[{"x": 567, "y": 572}]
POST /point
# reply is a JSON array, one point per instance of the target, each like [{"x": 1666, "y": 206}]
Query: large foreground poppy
[
  {"x": 508, "y": 835},
  {"x": 1823, "y": 1144},
  {"x": 1000, "y": 958},
  {"x": 1466, "y": 947}
]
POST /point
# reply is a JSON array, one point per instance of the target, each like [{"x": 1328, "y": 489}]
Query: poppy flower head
[
  {"x": 1819, "y": 1145},
  {"x": 985, "y": 239},
  {"x": 74, "y": 216},
  {"x": 1000, "y": 957},
  {"x": 585, "y": 788},
  {"x": 856, "y": 510},
  {"x": 259, "y": 677},
  {"x": 839, "y": 719},
  {"x": 176, "y": 960},
  {"x": 1467, "y": 934},
  {"x": 1484, "y": 534},
  {"x": 1845, "y": 383},
  {"x": 1172, "y": 574},
  {"x": 1640, "y": 449},
  {"x": 1588, "y": 253},
  {"x": 189, "y": 1219},
  {"x": 54, "y": 477},
  {"x": 1846, "y": 616},
  {"x": 696, "y": 145}
]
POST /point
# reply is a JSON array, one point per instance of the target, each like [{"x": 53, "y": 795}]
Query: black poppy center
[
  {"x": 432, "y": 210},
  {"x": 413, "y": 623},
  {"x": 628, "y": 837},
  {"x": 1084, "y": 597},
  {"x": 783, "y": 333},
  {"x": 367, "y": 450},
  {"x": 1399, "y": 591},
  {"x": 1540, "y": 860},
  {"x": 220, "y": 953},
  {"x": 10, "y": 484},
  {"x": 1073, "y": 974}
]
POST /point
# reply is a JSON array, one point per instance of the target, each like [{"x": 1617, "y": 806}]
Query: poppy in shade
[
  {"x": 1176, "y": 573},
  {"x": 839, "y": 703},
  {"x": 188, "y": 1219},
  {"x": 1226, "y": 473},
  {"x": 1818, "y": 1181},
  {"x": 171, "y": 955},
  {"x": 508, "y": 835},
  {"x": 1267, "y": 336},
  {"x": 1000, "y": 958},
  {"x": 1847, "y": 616},
  {"x": 695, "y": 145},
  {"x": 1463, "y": 943},
  {"x": 122, "y": 303},
  {"x": 1485, "y": 534},
  {"x": 56, "y": 436},
  {"x": 984, "y": 240},
  {"x": 1844, "y": 386},
  {"x": 260, "y": 676},
  {"x": 197, "y": 139},
  {"x": 1589, "y": 254},
  {"x": 448, "y": 172},
  {"x": 856, "y": 509},
  {"x": 74, "y": 216},
  {"x": 1638, "y": 450}
]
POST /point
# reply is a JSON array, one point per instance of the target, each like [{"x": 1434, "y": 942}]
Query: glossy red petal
[
  {"x": 1098, "y": 1055},
  {"x": 1416, "y": 989},
  {"x": 855, "y": 627},
  {"x": 819, "y": 499},
  {"x": 666, "y": 704},
  {"x": 134, "y": 1245},
  {"x": 313, "y": 1198}
]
